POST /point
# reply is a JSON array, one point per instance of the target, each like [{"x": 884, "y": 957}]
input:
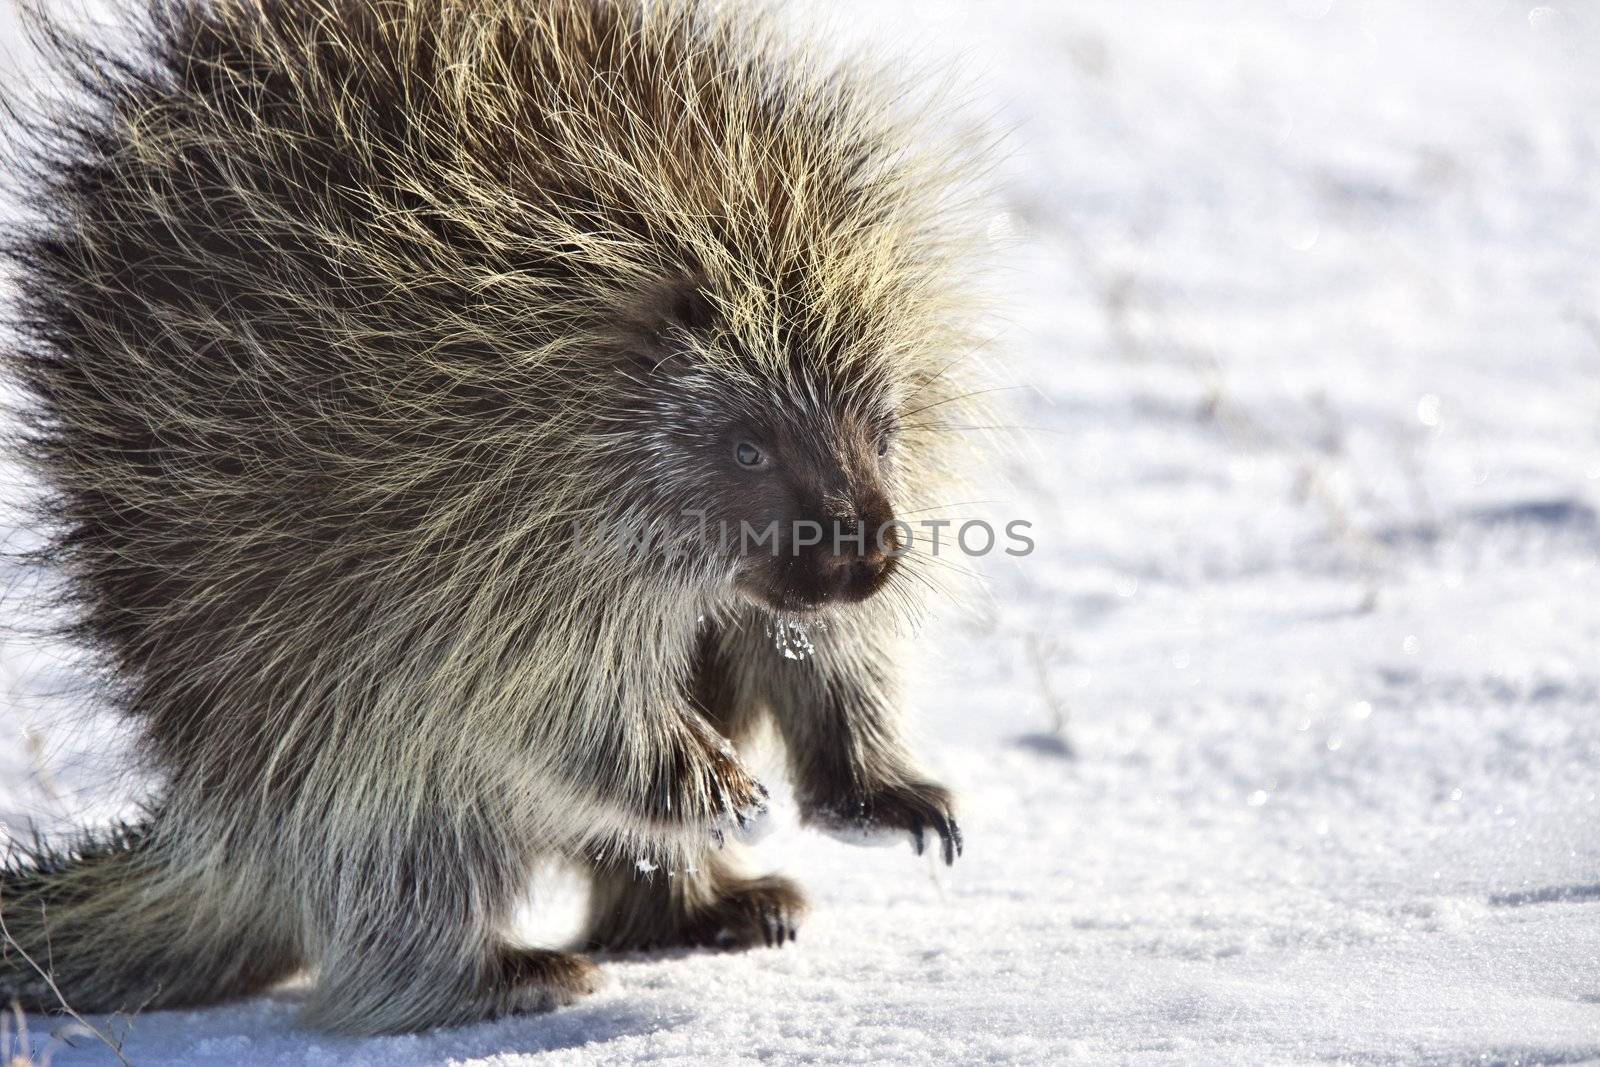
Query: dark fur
[{"x": 332, "y": 319}]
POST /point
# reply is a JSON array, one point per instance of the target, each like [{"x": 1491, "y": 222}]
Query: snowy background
[{"x": 1285, "y": 745}]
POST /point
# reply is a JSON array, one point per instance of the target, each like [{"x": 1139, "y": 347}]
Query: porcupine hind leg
[
  {"x": 711, "y": 905},
  {"x": 412, "y": 933}
]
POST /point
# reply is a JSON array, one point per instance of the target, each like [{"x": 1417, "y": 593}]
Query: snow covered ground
[{"x": 1306, "y": 305}]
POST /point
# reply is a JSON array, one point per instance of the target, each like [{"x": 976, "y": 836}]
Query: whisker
[
  {"x": 930, "y": 428},
  {"x": 962, "y": 396},
  {"x": 953, "y": 504}
]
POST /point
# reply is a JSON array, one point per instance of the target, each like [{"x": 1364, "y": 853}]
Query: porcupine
[{"x": 336, "y": 322}]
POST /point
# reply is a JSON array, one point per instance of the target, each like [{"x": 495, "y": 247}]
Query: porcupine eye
[
  {"x": 883, "y": 445},
  {"x": 748, "y": 455}
]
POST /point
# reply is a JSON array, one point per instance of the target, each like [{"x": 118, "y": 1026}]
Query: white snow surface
[{"x": 1303, "y": 302}]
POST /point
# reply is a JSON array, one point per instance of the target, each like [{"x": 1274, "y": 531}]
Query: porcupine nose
[{"x": 863, "y": 547}]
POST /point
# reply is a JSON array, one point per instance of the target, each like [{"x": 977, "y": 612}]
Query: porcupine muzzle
[
  {"x": 859, "y": 552},
  {"x": 843, "y": 556}
]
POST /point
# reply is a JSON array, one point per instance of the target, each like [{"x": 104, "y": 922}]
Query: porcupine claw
[{"x": 752, "y": 822}]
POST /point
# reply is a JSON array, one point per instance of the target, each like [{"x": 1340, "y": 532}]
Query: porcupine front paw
[
  {"x": 889, "y": 810},
  {"x": 740, "y": 800},
  {"x": 702, "y": 789}
]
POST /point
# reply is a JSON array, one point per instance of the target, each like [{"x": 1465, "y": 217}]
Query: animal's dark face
[
  {"x": 812, "y": 503},
  {"x": 785, "y": 466},
  {"x": 792, "y": 495}
]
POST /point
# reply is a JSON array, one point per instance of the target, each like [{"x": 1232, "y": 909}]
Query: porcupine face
[
  {"x": 818, "y": 480},
  {"x": 791, "y": 471}
]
